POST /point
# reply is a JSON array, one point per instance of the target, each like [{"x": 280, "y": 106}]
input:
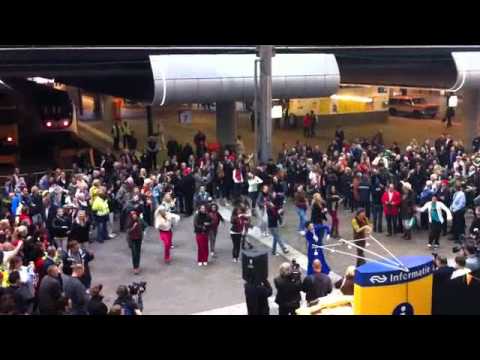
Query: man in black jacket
[
  {"x": 49, "y": 212},
  {"x": 316, "y": 285},
  {"x": 187, "y": 186},
  {"x": 441, "y": 279},
  {"x": 288, "y": 290},
  {"x": 50, "y": 293},
  {"x": 256, "y": 296},
  {"x": 36, "y": 206}
]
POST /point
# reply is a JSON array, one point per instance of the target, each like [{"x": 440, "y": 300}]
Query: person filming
[{"x": 288, "y": 285}]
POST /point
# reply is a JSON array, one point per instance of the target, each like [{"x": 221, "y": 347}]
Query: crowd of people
[{"x": 48, "y": 225}]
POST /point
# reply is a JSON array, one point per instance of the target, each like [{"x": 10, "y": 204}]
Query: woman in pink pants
[
  {"x": 163, "y": 223},
  {"x": 201, "y": 224}
]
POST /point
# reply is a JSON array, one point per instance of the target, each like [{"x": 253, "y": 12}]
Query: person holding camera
[
  {"x": 126, "y": 302},
  {"x": 316, "y": 285},
  {"x": 289, "y": 286}
]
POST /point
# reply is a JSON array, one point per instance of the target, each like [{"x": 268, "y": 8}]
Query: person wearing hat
[{"x": 361, "y": 229}]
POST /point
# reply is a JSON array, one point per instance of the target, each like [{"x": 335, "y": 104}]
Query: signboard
[
  {"x": 185, "y": 117},
  {"x": 277, "y": 112},
  {"x": 372, "y": 274},
  {"x": 453, "y": 101}
]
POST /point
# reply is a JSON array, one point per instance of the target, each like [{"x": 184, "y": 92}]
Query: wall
[{"x": 352, "y": 119}]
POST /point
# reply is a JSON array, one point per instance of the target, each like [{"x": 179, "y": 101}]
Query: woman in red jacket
[{"x": 391, "y": 204}]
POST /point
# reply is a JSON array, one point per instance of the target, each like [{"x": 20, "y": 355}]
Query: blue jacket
[{"x": 15, "y": 203}]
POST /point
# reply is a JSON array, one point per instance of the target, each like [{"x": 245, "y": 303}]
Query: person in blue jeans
[
  {"x": 273, "y": 222},
  {"x": 301, "y": 205}
]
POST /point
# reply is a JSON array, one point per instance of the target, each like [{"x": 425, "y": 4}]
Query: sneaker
[
  {"x": 171, "y": 246},
  {"x": 302, "y": 233},
  {"x": 205, "y": 263},
  {"x": 286, "y": 251},
  {"x": 112, "y": 236},
  {"x": 200, "y": 264},
  {"x": 234, "y": 260},
  {"x": 212, "y": 254},
  {"x": 429, "y": 246}
]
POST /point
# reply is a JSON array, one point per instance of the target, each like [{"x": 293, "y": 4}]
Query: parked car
[{"x": 412, "y": 106}]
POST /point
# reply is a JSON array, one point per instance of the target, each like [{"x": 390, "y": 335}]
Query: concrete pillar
[
  {"x": 107, "y": 110},
  {"x": 471, "y": 112},
  {"x": 226, "y": 123},
  {"x": 149, "y": 121},
  {"x": 264, "y": 130}
]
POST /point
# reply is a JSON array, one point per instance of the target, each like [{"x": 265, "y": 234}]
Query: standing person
[
  {"x": 316, "y": 285},
  {"x": 288, "y": 290},
  {"x": 407, "y": 210},
  {"x": 61, "y": 228},
  {"x": 239, "y": 147},
  {"x": 391, "y": 203},
  {"x": 314, "y": 237},
  {"x": 253, "y": 183},
  {"x": 164, "y": 222},
  {"x": 116, "y": 136},
  {"x": 95, "y": 305},
  {"x": 215, "y": 218},
  {"x": 202, "y": 224},
  {"x": 152, "y": 148},
  {"x": 262, "y": 201},
  {"x": 126, "y": 133},
  {"x": 236, "y": 232},
  {"x": 81, "y": 229},
  {"x": 36, "y": 206},
  {"x": 361, "y": 229},
  {"x": 256, "y": 296},
  {"x": 75, "y": 291},
  {"x": 187, "y": 187},
  {"x": 135, "y": 237},
  {"x": 101, "y": 214},
  {"x": 238, "y": 182},
  {"x": 377, "y": 207},
  {"x": 313, "y": 122},
  {"x": 435, "y": 218},
  {"x": 301, "y": 206},
  {"x": 333, "y": 200},
  {"x": 306, "y": 125},
  {"x": 273, "y": 220},
  {"x": 458, "y": 212},
  {"x": 318, "y": 210},
  {"x": 76, "y": 255},
  {"x": 50, "y": 293}
]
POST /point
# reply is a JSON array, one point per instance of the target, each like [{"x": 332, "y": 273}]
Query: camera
[
  {"x": 137, "y": 288},
  {"x": 296, "y": 273}
]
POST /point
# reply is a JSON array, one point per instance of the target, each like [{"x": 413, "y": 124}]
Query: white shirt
[{"x": 253, "y": 184}]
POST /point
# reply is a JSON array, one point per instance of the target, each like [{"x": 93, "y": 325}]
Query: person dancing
[
  {"x": 314, "y": 236},
  {"x": 361, "y": 229},
  {"x": 164, "y": 222}
]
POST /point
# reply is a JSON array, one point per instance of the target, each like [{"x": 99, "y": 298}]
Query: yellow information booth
[{"x": 384, "y": 290}]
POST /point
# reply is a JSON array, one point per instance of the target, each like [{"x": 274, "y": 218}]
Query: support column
[
  {"x": 226, "y": 123},
  {"x": 471, "y": 115},
  {"x": 107, "y": 110},
  {"x": 80, "y": 101},
  {"x": 264, "y": 130}
]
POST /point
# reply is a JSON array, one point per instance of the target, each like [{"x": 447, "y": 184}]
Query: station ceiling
[{"x": 126, "y": 72}]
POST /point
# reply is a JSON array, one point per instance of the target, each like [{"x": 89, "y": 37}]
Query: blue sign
[
  {"x": 403, "y": 309},
  {"x": 373, "y": 274}
]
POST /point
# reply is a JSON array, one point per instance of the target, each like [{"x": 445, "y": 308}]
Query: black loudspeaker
[{"x": 254, "y": 265}]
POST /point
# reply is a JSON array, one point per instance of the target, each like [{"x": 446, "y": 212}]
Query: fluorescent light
[
  {"x": 354, "y": 98},
  {"x": 40, "y": 80},
  {"x": 277, "y": 112}
]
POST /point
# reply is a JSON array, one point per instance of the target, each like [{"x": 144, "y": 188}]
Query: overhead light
[
  {"x": 42, "y": 81},
  {"x": 49, "y": 124},
  {"x": 9, "y": 139},
  {"x": 354, "y": 98},
  {"x": 65, "y": 123}
]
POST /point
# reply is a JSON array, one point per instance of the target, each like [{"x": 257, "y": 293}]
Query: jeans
[
  {"x": 302, "y": 216},
  {"x": 236, "y": 238},
  {"x": 102, "y": 233},
  {"x": 136, "y": 250},
  {"x": 253, "y": 198},
  {"x": 276, "y": 239},
  {"x": 377, "y": 212},
  {"x": 458, "y": 224},
  {"x": 391, "y": 224},
  {"x": 212, "y": 238}
]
